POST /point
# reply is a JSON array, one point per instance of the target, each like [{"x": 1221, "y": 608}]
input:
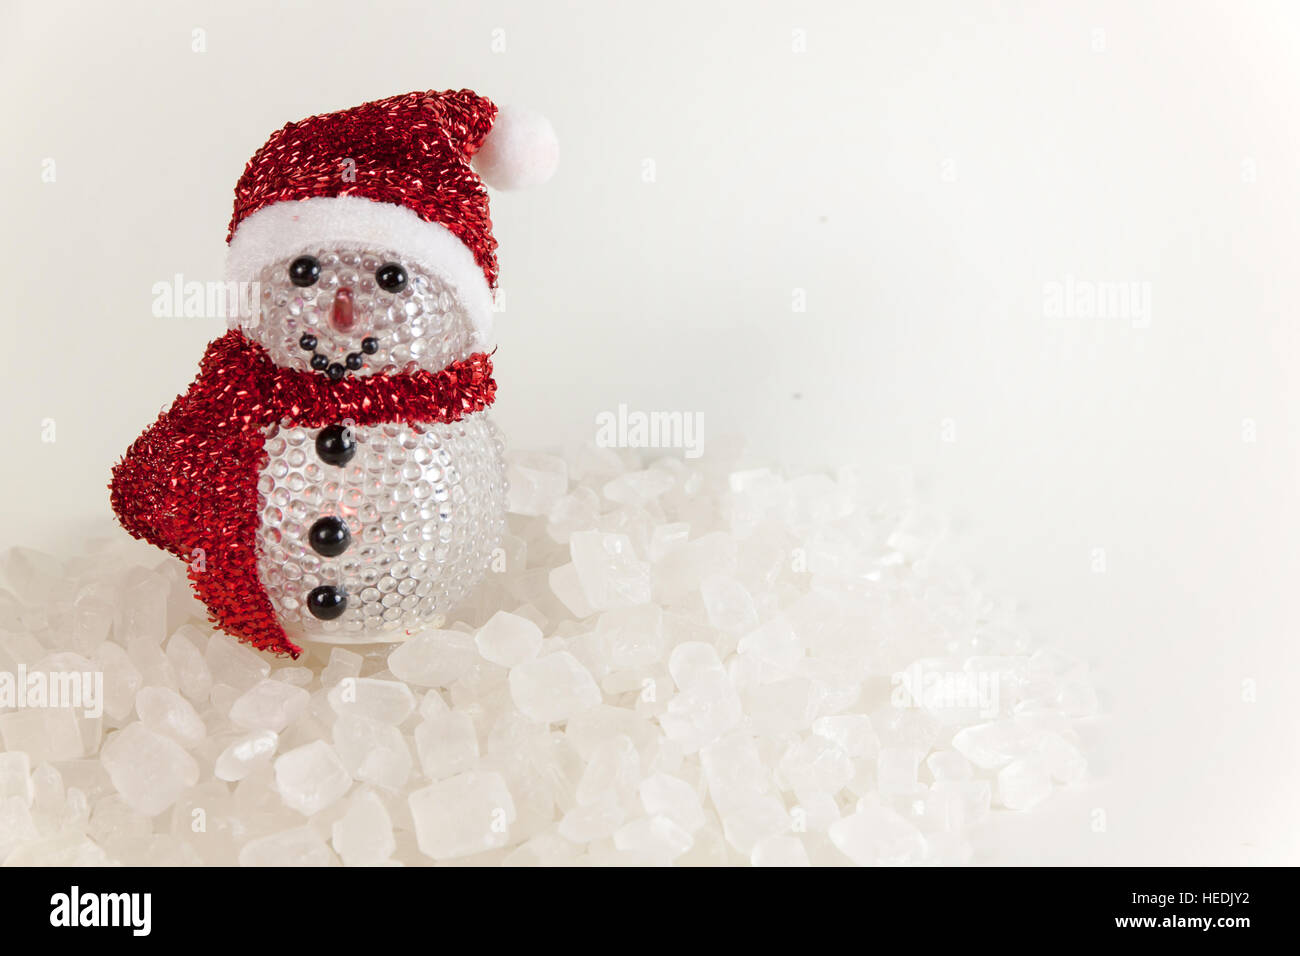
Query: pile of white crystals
[{"x": 670, "y": 662}]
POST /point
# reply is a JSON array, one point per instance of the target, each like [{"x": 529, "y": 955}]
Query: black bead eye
[
  {"x": 370, "y": 345},
  {"x": 391, "y": 277},
  {"x": 304, "y": 271}
]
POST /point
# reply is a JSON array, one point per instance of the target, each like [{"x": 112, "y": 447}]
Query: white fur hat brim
[{"x": 287, "y": 229}]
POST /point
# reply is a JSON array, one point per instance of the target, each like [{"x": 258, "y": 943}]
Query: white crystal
[
  {"x": 576, "y": 511},
  {"x": 956, "y": 804},
  {"x": 432, "y": 705},
  {"x": 343, "y": 663},
  {"x": 630, "y": 637},
  {"x": 596, "y": 821},
  {"x": 245, "y": 755},
  {"x": 372, "y": 751},
  {"x": 462, "y": 815},
  {"x": 995, "y": 744},
  {"x": 387, "y": 701},
  {"x": 875, "y": 836},
  {"x": 49, "y": 799},
  {"x": 747, "y": 825},
  {"x": 46, "y": 735},
  {"x": 695, "y": 664},
  {"x": 508, "y": 639},
  {"x": 433, "y": 658},
  {"x": 729, "y": 606},
  {"x": 614, "y": 768},
  {"x": 296, "y": 676},
  {"x": 16, "y": 777},
  {"x": 779, "y": 851},
  {"x": 301, "y": 846},
  {"x": 142, "y": 609},
  {"x": 657, "y": 837},
  {"x": 537, "y": 482},
  {"x": 149, "y": 770},
  {"x": 1024, "y": 783},
  {"x": 188, "y": 663},
  {"x": 853, "y": 732},
  {"x": 447, "y": 744},
  {"x": 311, "y": 777},
  {"x": 683, "y": 567},
  {"x": 666, "y": 538},
  {"x": 269, "y": 705},
  {"x": 168, "y": 713},
  {"x": 672, "y": 797},
  {"x": 949, "y": 765},
  {"x": 233, "y": 664},
  {"x": 816, "y": 764},
  {"x": 32, "y": 573},
  {"x": 152, "y": 662},
  {"x": 66, "y": 848},
  {"x": 566, "y": 586},
  {"x": 16, "y": 825},
  {"x": 896, "y": 771},
  {"x": 122, "y": 679},
  {"x": 814, "y": 812},
  {"x": 905, "y": 727},
  {"x": 707, "y": 706},
  {"x": 608, "y": 569},
  {"x": 363, "y": 836},
  {"x": 774, "y": 643},
  {"x": 553, "y": 687},
  {"x": 637, "y": 487}
]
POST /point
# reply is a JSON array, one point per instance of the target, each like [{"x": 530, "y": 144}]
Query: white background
[{"x": 922, "y": 171}]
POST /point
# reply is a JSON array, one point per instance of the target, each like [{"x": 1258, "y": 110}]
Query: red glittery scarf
[{"x": 189, "y": 483}]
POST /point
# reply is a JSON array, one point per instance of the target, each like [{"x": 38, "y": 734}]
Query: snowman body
[
  {"x": 371, "y": 532},
  {"x": 423, "y": 509}
]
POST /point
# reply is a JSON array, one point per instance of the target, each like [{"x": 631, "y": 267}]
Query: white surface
[{"x": 921, "y": 171}]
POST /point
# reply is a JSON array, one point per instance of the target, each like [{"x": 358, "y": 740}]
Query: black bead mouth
[
  {"x": 327, "y": 602},
  {"x": 354, "y": 362}
]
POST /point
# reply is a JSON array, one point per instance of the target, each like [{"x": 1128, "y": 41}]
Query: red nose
[{"x": 341, "y": 316}]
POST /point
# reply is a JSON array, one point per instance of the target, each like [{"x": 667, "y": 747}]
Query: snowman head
[{"x": 367, "y": 236}]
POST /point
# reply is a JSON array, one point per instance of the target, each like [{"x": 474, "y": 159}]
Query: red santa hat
[{"x": 404, "y": 173}]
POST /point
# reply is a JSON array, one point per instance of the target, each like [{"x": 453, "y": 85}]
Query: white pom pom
[{"x": 520, "y": 150}]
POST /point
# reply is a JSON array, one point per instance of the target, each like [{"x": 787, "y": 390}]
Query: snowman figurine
[{"x": 332, "y": 473}]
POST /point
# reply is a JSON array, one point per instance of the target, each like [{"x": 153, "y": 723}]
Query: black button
[
  {"x": 370, "y": 345},
  {"x": 307, "y": 342},
  {"x": 329, "y": 536},
  {"x": 327, "y": 602},
  {"x": 335, "y": 371},
  {"x": 354, "y": 360},
  {"x": 320, "y": 363},
  {"x": 335, "y": 445}
]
